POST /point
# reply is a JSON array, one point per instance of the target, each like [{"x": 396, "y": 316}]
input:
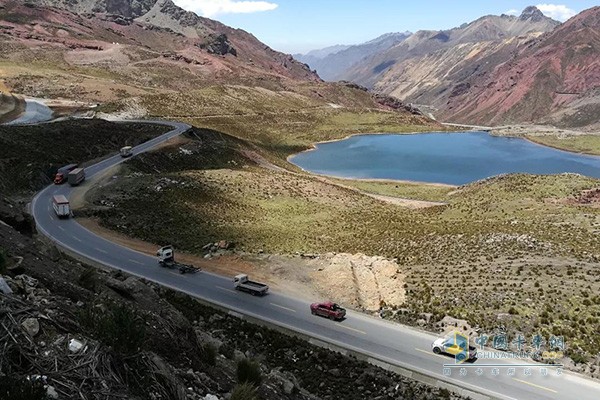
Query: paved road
[
  {"x": 477, "y": 127},
  {"x": 392, "y": 343},
  {"x": 35, "y": 112}
]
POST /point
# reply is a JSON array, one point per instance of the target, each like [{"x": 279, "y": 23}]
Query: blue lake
[{"x": 452, "y": 158}]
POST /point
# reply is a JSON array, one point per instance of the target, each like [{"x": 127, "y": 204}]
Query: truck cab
[{"x": 165, "y": 254}]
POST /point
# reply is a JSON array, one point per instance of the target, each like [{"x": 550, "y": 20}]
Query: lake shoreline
[
  {"x": 329, "y": 171},
  {"x": 313, "y": 147}
]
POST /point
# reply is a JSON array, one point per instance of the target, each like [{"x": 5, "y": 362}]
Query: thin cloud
[
  {"x": 558, "y": 12},
  {"x": 210, "y": 8},
  {"x": 512, "y": 12}
]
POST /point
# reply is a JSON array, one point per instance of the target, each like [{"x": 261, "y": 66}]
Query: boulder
[
  {"x": 4, "y": 288},
  {"x": 75, "y": 345},
  {"x": 31, "y": 326},
  {"x": 51, "y": 392}
]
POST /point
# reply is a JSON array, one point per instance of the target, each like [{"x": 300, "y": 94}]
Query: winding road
[
  {"x": 384, "y": 343},
  {"x": 35, "y": 112}
]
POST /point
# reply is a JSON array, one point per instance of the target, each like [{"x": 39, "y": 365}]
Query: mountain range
[
  {"x": 331, "y": 62},
  {"x": 494, "y": 70}
]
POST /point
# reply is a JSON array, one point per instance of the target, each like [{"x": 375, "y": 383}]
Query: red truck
[
  {"x": 329, "y": 310},
  {"x": 62, "y": 173}
]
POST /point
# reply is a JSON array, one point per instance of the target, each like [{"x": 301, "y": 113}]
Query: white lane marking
[
  {"x": 61, "y": 228},
  {"x": 534, "y": 385},
  {"x": 222, "y": 288},
  {"x": 100, "y": 250},
  {"x": 353, "y": 329},
  {"x": 76, "y": 238},
  {"x": 135, "y": 261},
  {"x": 285, "y": 308},
  {"x": 431, "y": 353}
]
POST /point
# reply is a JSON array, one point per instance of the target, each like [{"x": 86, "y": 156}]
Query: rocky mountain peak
[{"x": 533, "y": 14}]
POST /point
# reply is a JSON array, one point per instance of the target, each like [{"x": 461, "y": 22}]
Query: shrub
[
  {"x": 21, "y": 389},
  {"x": 88, "y": 279},
  {"x": 3, "y": 261},
  {"x": 119, "y": 326},
  {"x": 228, "y": 351},
  {"x": 249, "y": 372},
  {"x": 208, "y": 354},
  {"x": 579, "y": 358},
  {"x": 244, "y": 391}
]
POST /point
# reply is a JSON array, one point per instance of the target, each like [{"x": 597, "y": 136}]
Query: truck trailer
[
  {"x": 61, "y": 206},
  {"x": 76, "y": 176},
  {"x": 244, "y": 284}
]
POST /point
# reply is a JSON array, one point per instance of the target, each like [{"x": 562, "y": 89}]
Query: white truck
[
  {"x": 126, "y": 151},
  {"x": 166, "y": 259},
  {"x": 244, "y": 284},
  {"x": 61, "y": 206}
]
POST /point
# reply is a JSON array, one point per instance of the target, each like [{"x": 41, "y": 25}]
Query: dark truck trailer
[
  {"x": 76, "y": 176},
  {"x": 242, "y": 283}
]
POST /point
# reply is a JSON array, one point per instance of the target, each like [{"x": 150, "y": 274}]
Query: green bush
[
  {"x": 208, "y": 354},
  {"x": 3, "y": 261},
  {"x": 249, "y": 372},
  {"x": 21, "y": 389},
  {"x": 244, "y": 391},
  {"x": 89, "y": 279},
  {"x": 579, "y": 358},
  {"x": 118, "y": 326},
  {"x": 227, "y": 350}
]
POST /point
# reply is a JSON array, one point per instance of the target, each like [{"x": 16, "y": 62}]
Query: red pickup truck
[{"x": 329, "y": 310}]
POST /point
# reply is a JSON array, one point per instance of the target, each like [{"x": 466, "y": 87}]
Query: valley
[{"x": 513, "y": 254}]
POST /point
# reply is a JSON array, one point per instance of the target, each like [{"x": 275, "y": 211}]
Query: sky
[{"x": 298, "y": 26}]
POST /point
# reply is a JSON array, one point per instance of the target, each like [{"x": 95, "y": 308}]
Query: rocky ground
[
  {"x": 72, "y": 331},
  {"x": 578, "y": 141}
]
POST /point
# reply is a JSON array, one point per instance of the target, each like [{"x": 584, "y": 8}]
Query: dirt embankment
[{"x": 11, "y": 107}]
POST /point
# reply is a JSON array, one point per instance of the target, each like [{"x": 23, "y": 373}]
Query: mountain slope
[
  {"x": 424, "y": 43},
  {"x": 166, "y": 48},
  {"x": 555, "y": 79},
  {"x": 331, "y": 66}
]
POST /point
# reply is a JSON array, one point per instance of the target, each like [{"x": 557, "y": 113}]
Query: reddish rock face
[{"x": 554, "y": 79}]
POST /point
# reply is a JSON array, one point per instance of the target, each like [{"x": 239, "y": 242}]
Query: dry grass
[
  {"x": 503, "y": 234},
  {"x": 586, "y": 144}
]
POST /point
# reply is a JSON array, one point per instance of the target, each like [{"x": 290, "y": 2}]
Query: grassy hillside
[{"x": 30, "y": 155}]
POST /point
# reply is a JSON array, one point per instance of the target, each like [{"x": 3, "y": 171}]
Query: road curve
[
  {"x": 381, "y": 340},
  {"x": 35, "y": 112}
]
